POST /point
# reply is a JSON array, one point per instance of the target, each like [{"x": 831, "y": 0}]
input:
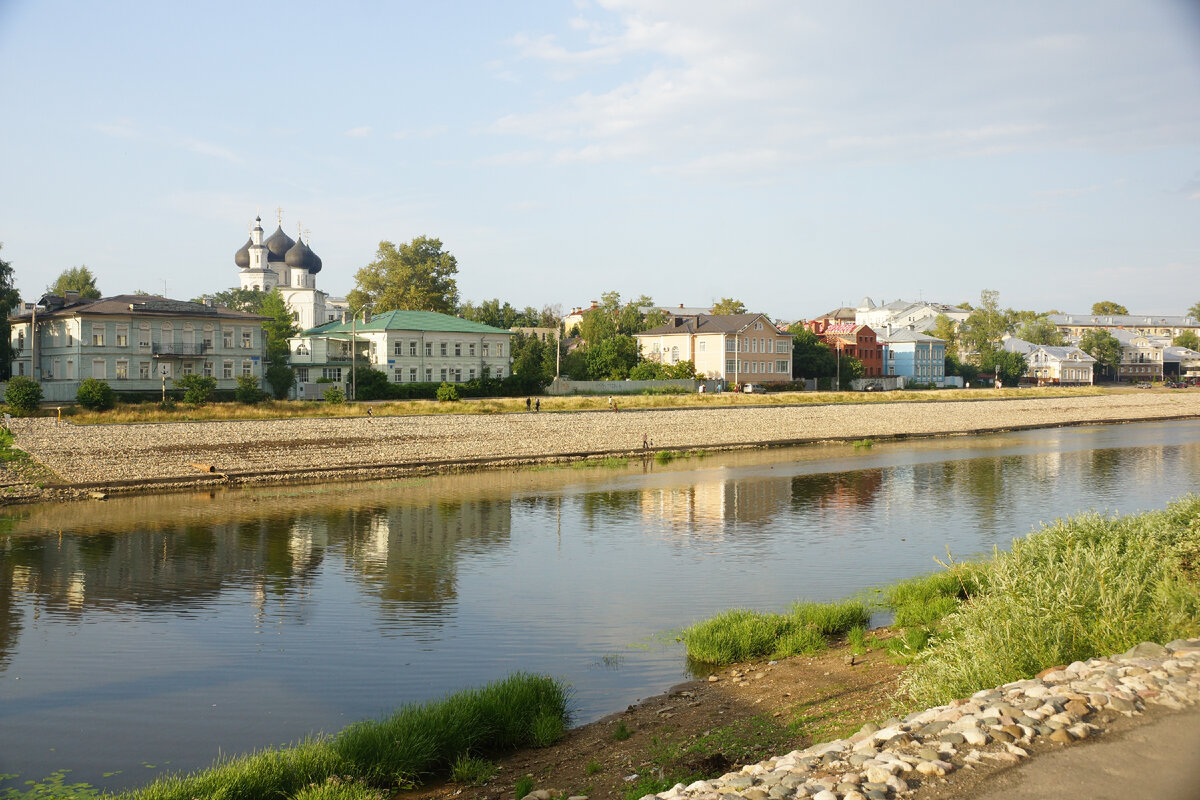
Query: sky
[{"x": 794, "y": 155}]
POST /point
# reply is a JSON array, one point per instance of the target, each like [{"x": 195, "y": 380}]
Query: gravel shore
[{"x": 145, "y": 455}]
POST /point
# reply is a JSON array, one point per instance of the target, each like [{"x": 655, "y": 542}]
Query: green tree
[
  {"x": 611, "y": 359},
  {"x": 647, "y": 371},
  {"x": 851, "y": 369},
  {"x": 811, "y": 357},
  {"x": 370, "y": 384},
  {"x": 238, "y": 299},
  {"x": 10, "y": 298},
  {"x": 278, "y": 327},
  {"x": 968, "y": 372},
  {"x": 281, "y": 378},
  {"x": 417, "y": 276},
  {"x": 529, "y": 362},
  {"x": 1041, "y": 331},
  {"x": 1194, "y": 311},
  {"x": 197, "y": 389},
  {"x": 727, "y": 305},
  {"x": 1104, "y": 347},
  {"x": 79, "y": 279},
  {"x": 1108, "y": 307},
  {"x": 683, "y": 370},
  {"x": 1187, "y": 339},
  {"x": 946, "y": 329},
  {"x": 985, "y": 327},
  {"x": 1008, "y": 366},
  {"x": 447, "y": 393},
  {"x": 95, "y": 395},
  {"x": 247, "y": 390},
  {"x": 597, "y": 326},
  {"x": 23, "y": 395}
]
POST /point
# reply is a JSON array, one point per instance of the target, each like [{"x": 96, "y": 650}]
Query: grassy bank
[
  {"x": 373, "y": 758},
  {"x": 1083, "y": 587},
  {"x": 150, "y": 412}
]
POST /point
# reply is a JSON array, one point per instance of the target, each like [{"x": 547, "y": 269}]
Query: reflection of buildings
[
  {"x": 710, "y": 507},
  {"x": 409, "y": 554}
]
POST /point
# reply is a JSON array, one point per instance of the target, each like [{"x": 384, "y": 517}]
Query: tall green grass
[
  {"x": 742, "y": 634},
  {"x": 1082, "y": 587},
  {"x": 417, "y": 742}
]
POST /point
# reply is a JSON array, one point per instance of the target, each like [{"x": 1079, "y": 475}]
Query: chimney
[
  {"x": 681, "y": 305},
  {"x": 208, "y": 301},
  {"x": 71, "y": 295}
]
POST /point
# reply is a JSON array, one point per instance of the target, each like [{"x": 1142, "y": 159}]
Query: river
[{"x": 151, "y": 633}]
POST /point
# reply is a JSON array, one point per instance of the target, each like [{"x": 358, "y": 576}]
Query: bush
[
  {"x": 370, "y": 384},
  {"x": 23, "y": 395},
  {"x": 95, "y": 395},
  {"x": 447, "y": 393},
  {"x": 335, "y": 396},
  {"x": 197, "y": 389},
  {"x": 247, "y": 390},
  {"x": 281, "y": 378}
]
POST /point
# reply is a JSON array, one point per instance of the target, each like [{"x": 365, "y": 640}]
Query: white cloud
[
  {"x": 690, "y": 83},
  {"x": 360, "y": 132}
]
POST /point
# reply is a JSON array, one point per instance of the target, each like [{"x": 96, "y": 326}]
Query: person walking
[
  {"x": 527, "y": 402},
  {"x": 537, "y": 404}
]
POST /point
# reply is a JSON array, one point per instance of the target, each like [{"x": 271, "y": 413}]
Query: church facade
[{"x": 290, "y": 265}]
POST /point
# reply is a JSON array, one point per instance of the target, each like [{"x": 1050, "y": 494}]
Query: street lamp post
[{"x": 354, "y": 348}]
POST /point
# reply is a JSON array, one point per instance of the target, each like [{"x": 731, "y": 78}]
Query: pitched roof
[
  {"x": 141, "y": 305},
  {"x": 1125, "y": 320},
  {"x": 710, "y": 323},
  {"x": 907, "y": 335},
  {"x": 408, "y": 321}
]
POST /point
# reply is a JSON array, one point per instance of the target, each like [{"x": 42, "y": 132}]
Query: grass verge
[
  {"x": 742, "y": 634},
  {"x": 419, "y": 741}
]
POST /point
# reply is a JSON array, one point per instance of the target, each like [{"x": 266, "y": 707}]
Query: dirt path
[{"x": 324, "y": 448}]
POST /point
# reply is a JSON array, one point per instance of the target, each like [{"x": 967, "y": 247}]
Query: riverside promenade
[{"x": 138, "y": 457}]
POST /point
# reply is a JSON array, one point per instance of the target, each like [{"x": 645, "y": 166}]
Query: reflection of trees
[
  {"x": 600, "y": 504},
  {"x": 408, "y": 555},
  {"x": 10, "y": 616},
  {"x": 840, "y": 490}
]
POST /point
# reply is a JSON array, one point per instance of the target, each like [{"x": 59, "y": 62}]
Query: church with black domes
[{"x": 291, "y": 266}]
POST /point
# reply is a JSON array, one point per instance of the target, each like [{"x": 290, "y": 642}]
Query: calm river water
[{"x": 144, "y": 634}]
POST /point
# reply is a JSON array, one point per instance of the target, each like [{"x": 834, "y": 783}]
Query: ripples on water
[{"x": 160, "y": 630}]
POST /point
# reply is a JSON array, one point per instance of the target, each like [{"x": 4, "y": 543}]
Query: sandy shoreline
[{"x": 146, "y": 457}]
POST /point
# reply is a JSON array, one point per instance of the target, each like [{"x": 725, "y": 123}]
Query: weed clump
[{"x": 742, "y": 634}]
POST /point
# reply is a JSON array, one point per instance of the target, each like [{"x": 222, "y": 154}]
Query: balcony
[{"x": 170, "y": 349}]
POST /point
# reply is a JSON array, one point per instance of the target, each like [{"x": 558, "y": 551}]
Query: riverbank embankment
[{"x": 146, "y": 457}]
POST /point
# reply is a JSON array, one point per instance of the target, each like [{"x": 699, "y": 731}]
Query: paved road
[{"x": 1159, "y": 759}]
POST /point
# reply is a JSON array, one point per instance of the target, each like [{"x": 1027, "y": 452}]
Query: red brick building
[{"x": 849, "y": 339}]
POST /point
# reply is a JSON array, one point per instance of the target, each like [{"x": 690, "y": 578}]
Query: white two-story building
[{"x": 133, "y": 342}]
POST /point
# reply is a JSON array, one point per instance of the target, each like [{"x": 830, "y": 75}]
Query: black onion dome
[
  {"x": 278, "y": 245},
  {"x": 299, "y": 256},
  {"x": 316, "y": 263},
  {"x": 242, "y": 257}
]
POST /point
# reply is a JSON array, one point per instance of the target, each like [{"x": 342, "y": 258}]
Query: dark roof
[
  {"x": 709, "y": 323},
  {"x": 409, "y": 321},
  {"x": 242, "y": 257},
  {"x": 278, "y": 245},
  {"x": 141, "y": 305}
]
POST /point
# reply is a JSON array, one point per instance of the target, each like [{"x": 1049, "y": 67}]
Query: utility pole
[{"x": 354, "y": 349}]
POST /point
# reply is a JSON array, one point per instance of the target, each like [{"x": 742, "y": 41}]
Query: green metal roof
[{"x": 408, "y": 321}]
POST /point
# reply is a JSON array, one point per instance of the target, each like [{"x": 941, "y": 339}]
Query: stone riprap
[
  {"x": 997, "y": 726},
  {"x": 90, "y": 454}
]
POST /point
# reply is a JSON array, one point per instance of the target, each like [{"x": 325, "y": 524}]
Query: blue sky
[{"x": 794, "y": 155}]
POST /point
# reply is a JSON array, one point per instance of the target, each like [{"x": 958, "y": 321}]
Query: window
[
  {"x": 428, "y": 349},
  {"x": 332, "y": 374},
  {"x": 70, "y": 337},
  {"x": 301, "y": 374},
  {"x": 397, "y": 373},
  {"x": 758, "y": 326},
  {"x": 98, "y": 370},
  {"x": 247, "y": 369},
  {"x": 456, "y": 374},
  {"x": 208, "y": 369},
  {"x": 730, "y": 365},
  {"x": 674, "y": 355},
  {"x": 122, "y": 336},
  {"x": 471, "y": 349},
  {"x": 246, "y": 339},
  {"x": 499, "y": 348},
  {"x": 770, "y": 366},
  {"x": 122, "y": 370},
  {"x": 227, "y": 369},
  {"x": 443, "y": 372},
  {"x": 207, "y": 339},
  {"x": 770, "y": 345},
  {"x": 499, "y": 372},
  {"x": 97, "y": 336},
  {"x": 412, "y": 374},
  {"x": 485, "y": 348},
  {"x": 429, "y": 374},
  {"x": 398, "y": 348},
  {"x": 144, "y": 370},
  {"x": 144, "y": 335},
  {"x": 702, "y": 347},
  {"x": 754, "y": 366},
  {"x": 443, "y": 348},
  {"x": 754, "y": 345},
  {"x": 227, "y": 339},
  {"x": 458, "y": 348},
  {"x": 471, "y": 374},
  {"x": 189, "y": 368}
]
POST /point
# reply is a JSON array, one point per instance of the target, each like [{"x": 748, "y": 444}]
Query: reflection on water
[{"x": 254, "y": 617}]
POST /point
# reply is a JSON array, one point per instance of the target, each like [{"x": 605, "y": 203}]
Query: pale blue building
[{"x": 918, "y": 357}]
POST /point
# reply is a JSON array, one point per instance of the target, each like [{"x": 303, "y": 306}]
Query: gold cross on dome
[{"x": 279, "y": 215}]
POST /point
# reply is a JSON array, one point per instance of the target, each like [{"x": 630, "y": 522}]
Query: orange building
[{"x": 849, "y": 339}]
